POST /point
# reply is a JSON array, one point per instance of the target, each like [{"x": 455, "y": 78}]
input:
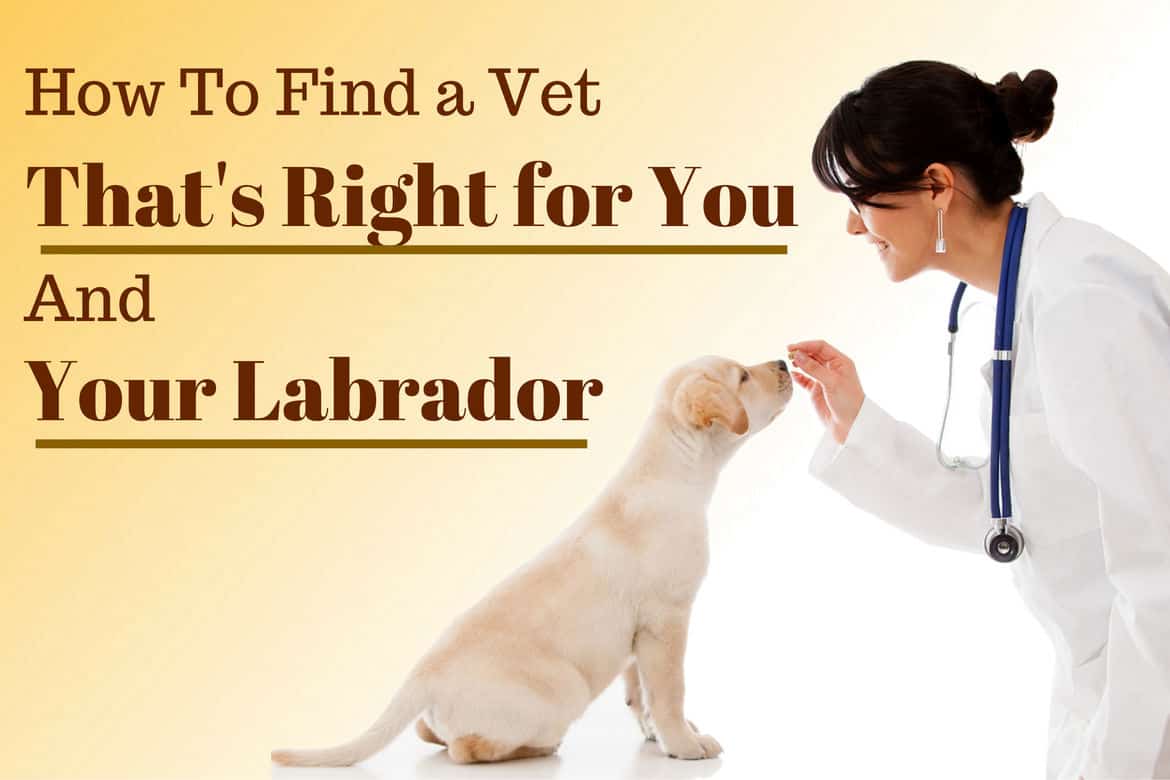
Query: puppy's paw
[
  {"x": 692, "y": 747},
  {"x": 689, "y": 752},
  {"x": 642, "y": 715},
  {"x": 711, "y": 746},
  {"x": 647, "y": 727}
]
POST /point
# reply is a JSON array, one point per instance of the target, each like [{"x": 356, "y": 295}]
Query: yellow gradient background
[{"x": 178, "y": 614}]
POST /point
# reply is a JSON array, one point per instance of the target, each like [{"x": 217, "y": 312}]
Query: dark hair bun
[
  {"x": 1027, "y": 104},
  {"x": 884, "y": 135}
]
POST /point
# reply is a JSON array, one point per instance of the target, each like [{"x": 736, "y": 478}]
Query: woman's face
[{"x": 903, "y": 237}]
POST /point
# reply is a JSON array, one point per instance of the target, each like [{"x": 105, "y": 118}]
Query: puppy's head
[{"x": 725, "y": 398}]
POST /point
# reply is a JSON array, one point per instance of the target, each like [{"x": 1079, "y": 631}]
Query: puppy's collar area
[
  {"x": 705, "y": 448},
  {"x": 688, "y": 442}
]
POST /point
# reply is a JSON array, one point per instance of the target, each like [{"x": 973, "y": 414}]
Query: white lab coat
[{"x": 1090, "y": 478}]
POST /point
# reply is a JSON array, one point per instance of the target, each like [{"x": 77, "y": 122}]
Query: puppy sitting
[{"x": 613, "y": 592}]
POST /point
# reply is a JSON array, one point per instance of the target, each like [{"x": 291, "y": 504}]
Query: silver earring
[{"x": 940, "y": 243}]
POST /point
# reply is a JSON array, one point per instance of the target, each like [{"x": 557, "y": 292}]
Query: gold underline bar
[
  {"x": 414, "y": 249},
  {"x": 308, "y": 444}
]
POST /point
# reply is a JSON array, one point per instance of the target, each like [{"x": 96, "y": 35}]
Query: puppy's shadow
[
  {"x": 322, "y": 773},
  {"x": 439, "y": 766},
  {"x": 650, "y": 764}
]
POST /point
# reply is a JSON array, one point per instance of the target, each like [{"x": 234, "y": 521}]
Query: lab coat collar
[{"x": 1042, "y": 215}]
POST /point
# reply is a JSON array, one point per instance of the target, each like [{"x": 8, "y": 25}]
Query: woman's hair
[{"x": 881, "y": 137}]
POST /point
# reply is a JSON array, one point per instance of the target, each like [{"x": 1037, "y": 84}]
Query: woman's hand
[{"x": 832, "y": 384}]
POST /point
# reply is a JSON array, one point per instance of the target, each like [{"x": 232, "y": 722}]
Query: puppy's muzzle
[{"x": 783, "y": 378}]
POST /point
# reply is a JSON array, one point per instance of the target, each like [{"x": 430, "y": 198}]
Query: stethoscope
[{"x": 1003, "y": 542}]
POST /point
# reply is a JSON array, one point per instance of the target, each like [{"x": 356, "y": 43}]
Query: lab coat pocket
[{"x": 1051, "y": 499}]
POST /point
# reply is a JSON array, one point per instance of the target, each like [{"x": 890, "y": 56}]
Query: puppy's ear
[{"x": 701, "y": 401}]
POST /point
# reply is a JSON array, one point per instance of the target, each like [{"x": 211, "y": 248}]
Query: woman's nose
[{"x": 854, "y": 225}]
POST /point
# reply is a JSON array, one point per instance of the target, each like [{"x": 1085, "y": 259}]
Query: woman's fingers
[
  {"x": 821, "y": 404},
  {"x": 822, "y": 350},
  {"x": 813, "y": 368},
  {"x": 816, "y": 392},
  {"x": 806, "y": 382},
  {"x": 832, "y": 383}
]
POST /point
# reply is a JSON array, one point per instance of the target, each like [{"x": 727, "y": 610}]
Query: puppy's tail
[{"x": 407, "y": 703}]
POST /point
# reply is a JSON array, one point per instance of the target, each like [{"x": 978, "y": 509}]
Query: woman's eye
[{"x": 743, "y": 377}]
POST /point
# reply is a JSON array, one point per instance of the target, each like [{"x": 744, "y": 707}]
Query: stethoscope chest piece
[{"x": 1004, "y": 543}]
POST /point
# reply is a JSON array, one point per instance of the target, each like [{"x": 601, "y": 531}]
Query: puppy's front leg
[
  {"x": 659, "y": 649},
  {"x": 635, "y": 702}
]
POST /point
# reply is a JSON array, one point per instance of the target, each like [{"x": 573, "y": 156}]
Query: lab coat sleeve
[
  {"x": 1103, "y": 359},
  {"x": 890, "y": 469}
]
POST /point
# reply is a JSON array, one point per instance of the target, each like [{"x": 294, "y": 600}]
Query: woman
[{"x": 924, "y": 151}]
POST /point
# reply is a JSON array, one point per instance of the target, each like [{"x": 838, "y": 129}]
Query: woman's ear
[
  {"x": 941, "y": 180},
  {"x": 700, "y": 401}
]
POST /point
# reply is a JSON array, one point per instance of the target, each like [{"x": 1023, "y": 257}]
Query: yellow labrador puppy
[{"x": 613, "y": 592}]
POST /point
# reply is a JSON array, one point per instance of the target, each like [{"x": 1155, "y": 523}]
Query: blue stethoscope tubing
[{"x": 1003, "y": 542}]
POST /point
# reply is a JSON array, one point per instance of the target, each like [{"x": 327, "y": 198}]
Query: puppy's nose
[{"x": 783, "y": 366}]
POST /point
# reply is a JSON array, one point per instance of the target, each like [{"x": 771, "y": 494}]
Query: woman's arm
[{"x": 884, "y": 466}]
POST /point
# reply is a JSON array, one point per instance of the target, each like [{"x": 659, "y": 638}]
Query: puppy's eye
[{"x": 743, "y": 377}]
